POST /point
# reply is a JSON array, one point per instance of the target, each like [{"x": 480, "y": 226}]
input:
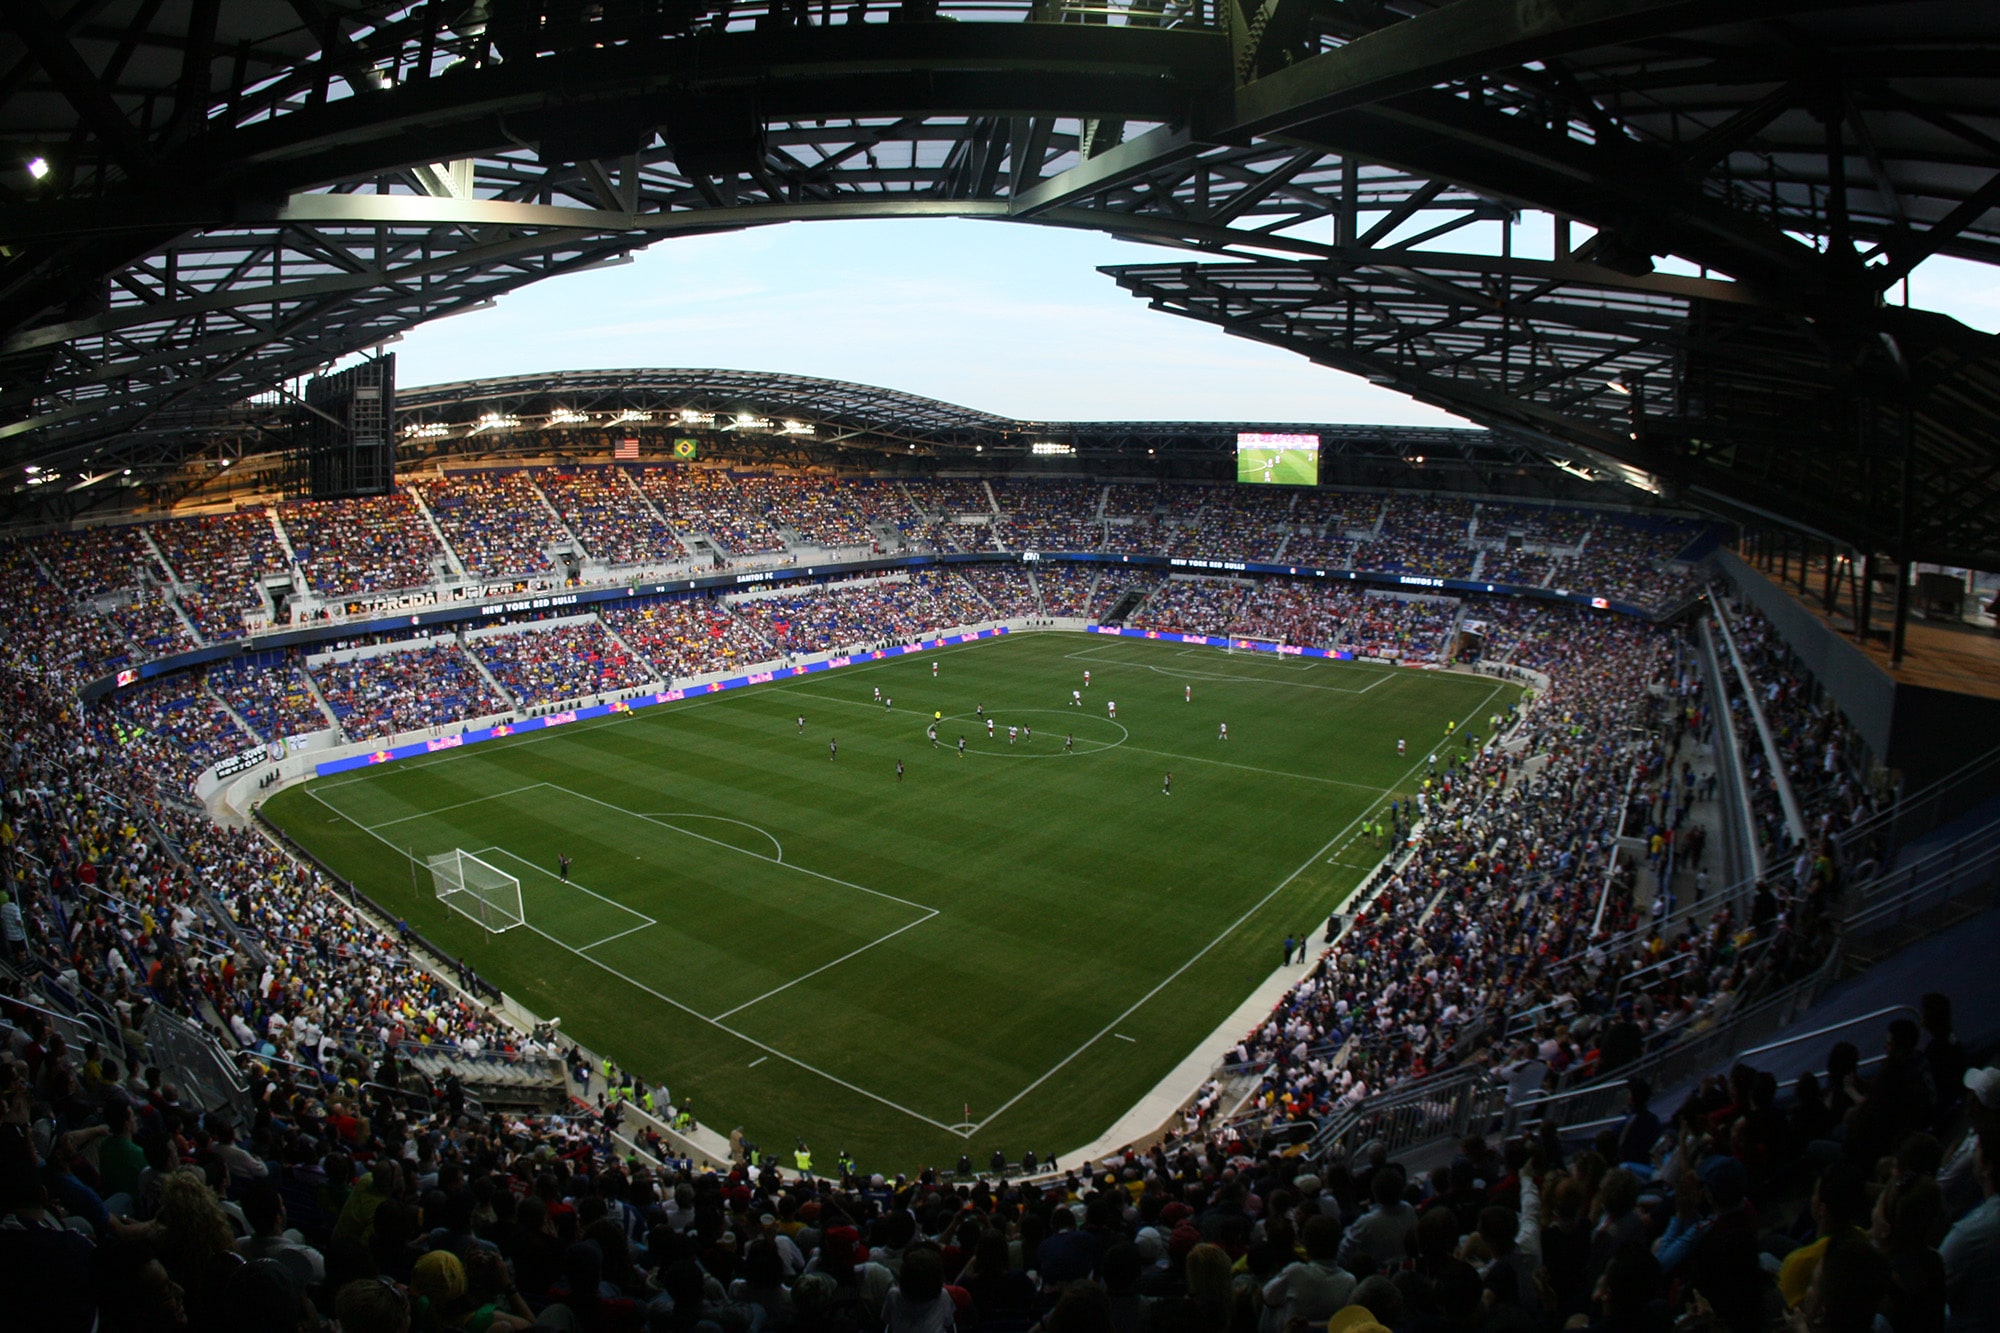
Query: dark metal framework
[{"x": 1657, "y": 194}]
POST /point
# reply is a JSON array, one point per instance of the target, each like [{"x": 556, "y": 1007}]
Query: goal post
[{"x": 471, "y": 887}]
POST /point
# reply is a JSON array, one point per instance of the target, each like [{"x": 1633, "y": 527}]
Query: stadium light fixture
[
  {"x": 567, "y": 416},
  {"x": 1618, "y": 386},
  {"x": 1048, "y": 447},
  {"x": 38, "y": 167}
]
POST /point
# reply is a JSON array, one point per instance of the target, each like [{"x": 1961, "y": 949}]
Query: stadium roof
[{"x": 203, "y": 202}]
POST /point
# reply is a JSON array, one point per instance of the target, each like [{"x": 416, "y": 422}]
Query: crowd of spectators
[
  {"x": 824, "y": 511},
  {"x": 690, "y": 637},
  {"x": 1816, "y": 745},
  {"x": 1315, "y": 615},
  {"x": 1048, "y": 516},
  {"x": 1191, "y": 606},
  {"x": 195, "y": 729},
  {"x": 1065, "y": 589},
  {"x": 1422, "y": 535},
  {"x": 90, "y": 562},
  {"x": 497, "y": 522},
  {"x": 545, "y": 664},
  {"x": 368, "y": 544},
  {"x": 274, "y": 697},
  {"x": 431, "y": 684},
  {"x": 740, "y": 514},
  {"x": 218, "y": 560},
  {"x": 1005, "y": 588},
  {"x": 1112, "y": 586},
  {"x": 1541, "y": 525},
  {"x": 606, "y": 512},
  {"x": 1625, "y": 558},
  {"x": 149, "y": 621},
  {"x": 857, "y": 614}
]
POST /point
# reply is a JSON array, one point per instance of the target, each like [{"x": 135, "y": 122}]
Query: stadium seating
[
  {"x": 276, "y": 699},
  {"x": 609, "y": 516},
  {"x": 542, "y": 665},
  {"x": 218, "y": 560},
  {"x": 689, "y": 637},
  {"x": 365, "y": 545},
  {"x": 427, "y": 686},
  {"x": 497, "y": 522}
]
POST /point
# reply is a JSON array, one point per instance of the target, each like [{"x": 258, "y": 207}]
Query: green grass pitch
[
  {"x": 804, "y": 945},
  {"x": 1280, "y": 467}
]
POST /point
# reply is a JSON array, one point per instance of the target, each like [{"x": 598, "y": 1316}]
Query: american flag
[{"x": 627, "y": 448}]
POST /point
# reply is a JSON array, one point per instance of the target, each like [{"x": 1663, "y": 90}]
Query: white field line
[
  {"x": 648, "y": 925},
  {"x": 1201, "y": 953},
  {"x": 689, "y": 1010},
  {"x": 730, "y": 846},
  {"x": 512, "y": 791},
  {"x": 824, "y": 966},
  {"x": 1235, "y": 677},
  {"x": 565, "y": 883},
  {"x": 1252, "y": 768}
]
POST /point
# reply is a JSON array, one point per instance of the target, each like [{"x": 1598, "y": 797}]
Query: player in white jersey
[
  {"x": 878, "y": 694},
  {"x": 1076, "y": 698},
  {"x": 1086, "y": 680},
  {"x": 1013, "y": 732},
  {"x": 961, "y": 745},
  {"x": 887, "y": 703},
  {"x": 1222, "y": 733},
  {"x": 1111, "y": 707},
  {"x": 1190, "y": 693},
  {"x": 933, "y": 670},
  {"x": 989, "y": 728},
  {"x": 1399, "y": 746},
  {"x": 802, "y": 724}
]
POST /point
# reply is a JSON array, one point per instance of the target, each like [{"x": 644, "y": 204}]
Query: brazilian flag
[{"x": 685, "y": 449}]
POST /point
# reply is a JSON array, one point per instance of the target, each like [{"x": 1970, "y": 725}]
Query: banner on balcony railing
[
  {"x": 1223, "y": 641},
  {"x": 528, "y": 725}
]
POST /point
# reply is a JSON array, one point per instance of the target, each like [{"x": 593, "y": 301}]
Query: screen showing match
[{"x": 1277, "y": 460}]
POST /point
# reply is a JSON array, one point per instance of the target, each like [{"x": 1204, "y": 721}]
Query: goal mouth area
[{"x": 476, "y": 890}]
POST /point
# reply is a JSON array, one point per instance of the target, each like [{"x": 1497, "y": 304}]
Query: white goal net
[{"x": 468, "y": 885}]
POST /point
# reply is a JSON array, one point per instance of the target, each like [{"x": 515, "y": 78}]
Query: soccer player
[
  {"x": 1086, "y": 680},
  {"x": 1069, "y": 742},
  {"x": 562, "y": 867},
  {"x": 961, "y": 745},
  {"x": 899, "y": 770},
  {"x": 1012, "y": 733},
  {"x": 937, "y": 715},
  {"x": 931, "y": 731},
  {"x": 887, "y": 703},
  {"x": 1111, "y": 707},
  {"x": 989, "y": 728},
  {"x": 1223, "y": 734},
  {"x": 1076, "y": 698},
  {"x": 1399, "y": 746},
  {"x": 878, "y": 694},
  {"x": 1190, "y": 693},
  {"x": 832, "y": 749},
  {"x": 979, "y": 710},
  {"x": 802, "y": 724},
  {"x": 1027, "y": 734},
  {"x": 933, "y": 669},
  {"x": 1167, "y": 785}
]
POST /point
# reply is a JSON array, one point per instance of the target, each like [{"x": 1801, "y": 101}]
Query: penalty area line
[{"x": 666, "y": 999}]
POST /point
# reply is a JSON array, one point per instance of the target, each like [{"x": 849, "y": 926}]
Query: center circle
[{"x": 1036, "y": 750}]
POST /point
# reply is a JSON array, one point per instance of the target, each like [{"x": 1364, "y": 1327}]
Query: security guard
[
  {"x": 802, "y": 1158},
  {"x": 847, "y": 1166}
]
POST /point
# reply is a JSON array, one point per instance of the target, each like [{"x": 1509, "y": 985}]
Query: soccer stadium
[{"x": 734, "y": 850}]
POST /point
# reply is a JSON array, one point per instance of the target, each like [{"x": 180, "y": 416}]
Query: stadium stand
[
  {"x": 688, "y": 637},
  {"x": 610, "y": 517},
  {"x": 1066, "y": 589},
  {"x": 217, "y": 560},
  {"x": 542, "y": 664},
  {"x": 427, "y": 686},
  {"x": 275, "y": 698},
  {"x": 739, "y": 515},
  {"x": 835, "y": 616},
  {"x": 497, "y": 522},
  {"x": 365, "y": 545}
]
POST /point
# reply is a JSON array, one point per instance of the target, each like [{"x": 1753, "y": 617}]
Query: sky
[{"x": 1004, "y": 317}]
